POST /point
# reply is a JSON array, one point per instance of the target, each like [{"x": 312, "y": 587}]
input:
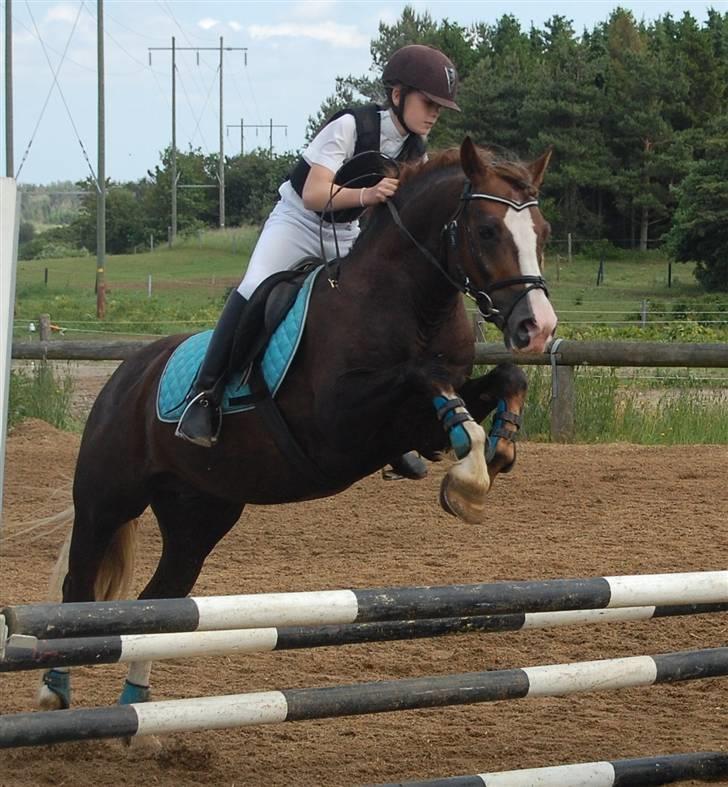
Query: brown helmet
[{"x": 426, "y": 69}]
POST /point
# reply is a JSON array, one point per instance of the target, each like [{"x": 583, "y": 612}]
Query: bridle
[{"x": 450, "y": 231}]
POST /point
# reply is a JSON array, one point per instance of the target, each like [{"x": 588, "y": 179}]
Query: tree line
[{"x": 636, "y": 113}]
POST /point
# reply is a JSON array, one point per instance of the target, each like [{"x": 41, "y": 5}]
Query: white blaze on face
[{"x": 520, "y": 225}]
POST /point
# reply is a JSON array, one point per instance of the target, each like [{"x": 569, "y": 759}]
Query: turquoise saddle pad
[{"x": 183, "y": 365}]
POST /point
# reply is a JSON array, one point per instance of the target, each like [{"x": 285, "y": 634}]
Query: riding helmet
[{"x": 426, "y": 69}]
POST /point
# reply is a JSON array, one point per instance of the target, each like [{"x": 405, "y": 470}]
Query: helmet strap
[{"x": 404, "y": 91}]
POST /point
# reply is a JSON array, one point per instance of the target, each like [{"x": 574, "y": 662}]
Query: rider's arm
[{"x": 318, "y": 189}]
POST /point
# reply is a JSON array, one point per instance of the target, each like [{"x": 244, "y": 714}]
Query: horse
[{"x": 383, "y": 367}]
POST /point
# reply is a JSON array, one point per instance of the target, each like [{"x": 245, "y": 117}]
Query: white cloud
[
  {"x": 236, "y": 26},
  {"x": 207, "y": 23},
  {"x": 61, "y": 13},
  {"x": 329, "y": 32},
  {"x": 312, "y": 9}
]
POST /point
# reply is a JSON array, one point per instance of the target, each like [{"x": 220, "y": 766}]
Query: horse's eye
[{"x": 486, "y": 232}]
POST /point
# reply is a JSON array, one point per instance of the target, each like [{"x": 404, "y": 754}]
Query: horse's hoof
[
  {"x": 54, "y": 692},
  {"x": 464, "y": 502}
]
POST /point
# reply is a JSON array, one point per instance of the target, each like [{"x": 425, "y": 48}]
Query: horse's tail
[{"x": 116, "y": 571}]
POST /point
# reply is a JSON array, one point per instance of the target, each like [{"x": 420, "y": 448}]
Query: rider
[{"x": 419, "y": 81}]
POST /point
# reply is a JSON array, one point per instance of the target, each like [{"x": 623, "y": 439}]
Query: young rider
[{"x": 419, "y": 81}]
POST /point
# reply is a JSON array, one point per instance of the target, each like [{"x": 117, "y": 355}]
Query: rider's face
[{"x": 420, "y": 114}]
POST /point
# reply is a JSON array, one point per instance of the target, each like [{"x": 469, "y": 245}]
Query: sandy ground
[{"x": 565, "y": 511}]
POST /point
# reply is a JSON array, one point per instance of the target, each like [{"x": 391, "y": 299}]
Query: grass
[
  {"x": 190, "y": 281},
  {"x": 41, "y": 393}
]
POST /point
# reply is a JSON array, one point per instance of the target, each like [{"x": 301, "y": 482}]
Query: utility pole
[
  {"x": 9, "y": 163},
  {"x": 221, "y": 162},
  {"x": 221, "y": 165},
  {"x": 174, "y": 143},
  {"x": 101, "y": 173},
  {"x": 270, "y": 126}
]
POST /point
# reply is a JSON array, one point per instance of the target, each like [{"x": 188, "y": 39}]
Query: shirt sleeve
[{"x": 334, "y": 144}]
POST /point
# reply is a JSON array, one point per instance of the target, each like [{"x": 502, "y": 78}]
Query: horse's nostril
[{"x": 522, "y": 334}]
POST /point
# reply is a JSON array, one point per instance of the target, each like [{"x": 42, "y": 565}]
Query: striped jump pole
[
  {"x": 150, "y": 616},
  {"x": 24, "y": 652},
  {"x": 270, "y": 707},
  {"x": 705, "y": 766}
]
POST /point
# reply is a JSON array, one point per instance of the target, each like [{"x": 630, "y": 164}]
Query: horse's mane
[
  {"x": 503, "y": 164},
  {"x": 415, "y": 174}
]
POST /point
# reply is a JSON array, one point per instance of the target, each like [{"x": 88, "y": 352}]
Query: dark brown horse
[{"x": 383, "y": 366}]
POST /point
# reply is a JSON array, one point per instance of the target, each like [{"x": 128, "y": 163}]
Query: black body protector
[{"x": 368, "y": 135}]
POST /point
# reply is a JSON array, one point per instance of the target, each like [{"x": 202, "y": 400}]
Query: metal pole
[
  {"x": 221, "y": 165},
  {"x": 174, "y": 143},
  {"x": 101, "y": 189},
  {"x": 9, "y": 162},
  {"x": 270, "y": 143},
  {"x": 242, "y": 137}
]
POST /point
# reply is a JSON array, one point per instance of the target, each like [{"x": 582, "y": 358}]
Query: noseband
[{"x": 450, "y": 230}]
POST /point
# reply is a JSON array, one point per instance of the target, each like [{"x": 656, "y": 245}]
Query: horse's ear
[
  {"x": 538, "y": 168},
  {"x": 470, "y": 159}
]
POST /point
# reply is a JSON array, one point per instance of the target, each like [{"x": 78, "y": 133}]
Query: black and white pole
[
  {"x": 24, "y": 652},
  {"x": 265, "y": 610},
  {"x": 270, "y": 707},
  {"x": 707, "y": 766}
]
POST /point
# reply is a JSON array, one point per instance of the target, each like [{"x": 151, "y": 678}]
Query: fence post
[
  {"x": 44, "y": 323},
  {"x": 149, "y": 285},
  {"x": 568, "y": 248},
  {"x": 562, "y": 398}
]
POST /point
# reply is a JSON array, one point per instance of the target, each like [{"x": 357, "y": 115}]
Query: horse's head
[{"x": 496, "y": 240}]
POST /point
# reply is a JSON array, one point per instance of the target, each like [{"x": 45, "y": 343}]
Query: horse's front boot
[
  {"x": 201, "y": 420},
  {"x": 500, "y": 447}
]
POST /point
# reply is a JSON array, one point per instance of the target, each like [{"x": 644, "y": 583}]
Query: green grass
[
  {"x": 607, "y": 411},
  {"x": 39, "y": 392}
]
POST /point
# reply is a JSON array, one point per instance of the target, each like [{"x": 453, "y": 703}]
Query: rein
[{"x": 481, "y": 297}]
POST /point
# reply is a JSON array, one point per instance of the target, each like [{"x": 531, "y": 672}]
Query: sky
[{"x": 294, "y": 52}]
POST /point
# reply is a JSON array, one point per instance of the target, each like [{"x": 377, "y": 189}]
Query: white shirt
[{"x": 334, "y": 145}]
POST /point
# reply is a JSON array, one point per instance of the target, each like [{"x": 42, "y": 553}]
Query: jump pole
[
  {"x": 271, "y": 707},
  {"x": 708, "y": 766},
  {"x": 151, "y": 616},
  {"x": 25, "y": 653}
]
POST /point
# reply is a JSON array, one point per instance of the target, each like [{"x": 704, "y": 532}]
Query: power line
[{"x": 55, "y": 83}]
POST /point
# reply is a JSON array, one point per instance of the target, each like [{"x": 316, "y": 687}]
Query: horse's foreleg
[
  {"x": 465, "y": 486},
  {"x": 502, "y": 390}
]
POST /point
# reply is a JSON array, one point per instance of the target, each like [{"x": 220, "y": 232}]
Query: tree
[
  {"x": 700, "y": 225},
  {"x": 125, "y": 219},
  {"x": 252, "y": 182}
]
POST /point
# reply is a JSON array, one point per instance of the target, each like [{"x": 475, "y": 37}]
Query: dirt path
[{"x": 564, "y": 512}]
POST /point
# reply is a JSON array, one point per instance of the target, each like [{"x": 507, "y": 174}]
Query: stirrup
[{"x": 205, "y": 441}]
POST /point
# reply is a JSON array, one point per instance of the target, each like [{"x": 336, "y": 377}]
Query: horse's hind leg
[
  {"x": 503, "y": 389},
  {"x": 96, "y": 563},
  {"x": 191, "y": 524}
]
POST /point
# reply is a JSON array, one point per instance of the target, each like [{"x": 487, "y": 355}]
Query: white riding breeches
[{"x": 289, "y": 235}]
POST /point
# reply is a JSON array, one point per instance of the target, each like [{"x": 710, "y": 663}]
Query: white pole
[{"x": 9, "y": 224}]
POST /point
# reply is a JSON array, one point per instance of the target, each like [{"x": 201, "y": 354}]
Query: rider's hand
[{"x": 383, "y": 191}]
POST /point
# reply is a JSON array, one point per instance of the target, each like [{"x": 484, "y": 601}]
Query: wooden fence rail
[{"x": 563, "y": 356}]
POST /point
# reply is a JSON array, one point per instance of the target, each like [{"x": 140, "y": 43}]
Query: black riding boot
[
  {"x": 410, "y": 465},
  {"x": 201, "y": 421}
]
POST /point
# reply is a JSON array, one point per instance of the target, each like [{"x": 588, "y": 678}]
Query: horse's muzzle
[{"x": 531, "y": 324}]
